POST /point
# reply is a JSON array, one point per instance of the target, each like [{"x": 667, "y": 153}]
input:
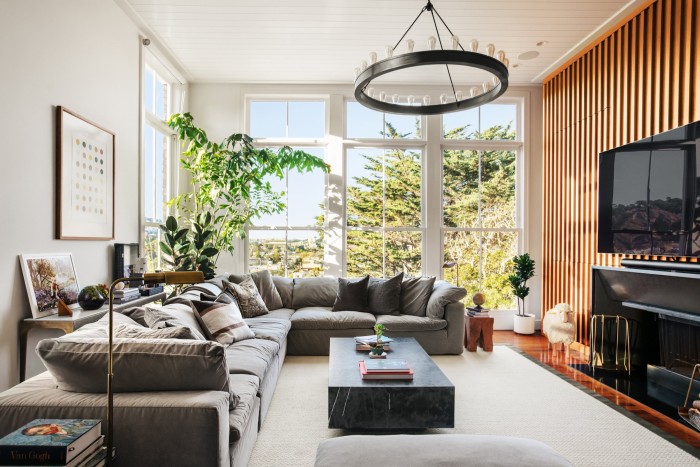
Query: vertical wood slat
[{"x": 642, "y": 79}]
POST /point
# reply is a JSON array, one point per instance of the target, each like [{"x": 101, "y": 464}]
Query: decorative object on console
[
  {"x": 48, "y": 278},
  {"x": 460, "y": 99},
  {"x": 691, "y": 413},
  {"x": 125, "y": 257},
  {"x": 478, "y": 299},
  {"x": 559, "y": 325},
  {"x": 63, "y": 309},
  {"x": 91, "y": 298},
  {"x": 85, "y": 185},
  {"x": 169, "y": 278},
  {"x": 523, "y": 270}
]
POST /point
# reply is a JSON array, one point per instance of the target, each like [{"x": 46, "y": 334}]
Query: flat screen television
[{"x": 649, "y": 195}]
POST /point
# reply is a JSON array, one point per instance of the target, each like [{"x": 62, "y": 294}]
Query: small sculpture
[
  {"x": 63, "y": 309},
  {"x": 479, "y": 299},
  {"x": 559, "y": 325}
]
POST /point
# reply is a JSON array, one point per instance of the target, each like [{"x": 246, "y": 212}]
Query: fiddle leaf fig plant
[
  {"x": 229, "y": 189},
  {"x": 523, "y": 270}
]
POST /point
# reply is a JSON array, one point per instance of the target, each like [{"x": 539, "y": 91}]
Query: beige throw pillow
[
  {"x": 223, "y": 321},
  {"x": 248, "y": 298}
]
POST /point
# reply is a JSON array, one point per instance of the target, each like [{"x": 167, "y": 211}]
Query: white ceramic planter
[{"x": 524, "y": 324}]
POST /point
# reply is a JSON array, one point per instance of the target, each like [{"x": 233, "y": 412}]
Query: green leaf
[
  {"x": 171, "y": 223},
  {"x": 210, "y": 251}
]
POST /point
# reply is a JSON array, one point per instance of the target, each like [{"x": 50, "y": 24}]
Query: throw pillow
[
  {"x": 352, "y": 295},
  {"x": 314, "y": 291},
  {"x": 223, "y": 297},
  {"x": 384, "y": 295},
  {"x": 285, "y": 287},
  {"x": 249, "y": 300},
  {"x": 443, "y": 294},
  {"x": 265, "y": 285},
  {"x": 173, "y": 317},
  {"x": 415, "y": 294},
  {"x": 140, "y": 332},
  {"x": 223, "y": 321},
  {"x": 135, "y": 313}
]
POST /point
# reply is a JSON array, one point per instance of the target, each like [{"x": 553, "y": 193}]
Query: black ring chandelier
[{"x": 498, "y": 67}]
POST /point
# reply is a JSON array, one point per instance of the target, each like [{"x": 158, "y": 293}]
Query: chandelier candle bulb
[
  {"x": 411, "y": 100},
  {"x": 389, "y": 51},
  {"x": 474, "y": 45},
  {"x": 495, "y": 81},
  {"x": 506, "y": 62},
  {"x": 443, "y": 98},
  {"x": 431, "y": 43},
  {"x": 395, "y": 98},
  {"x": 486, "y": 86},
  {"x": 459, "y": 95},
  {"x": 426, "y": 100},
  {"x": 357, "y": 72},
  {"x": 370, "y": 92},
  {"x": 373, "y": 57},
  {"x": 382, "y": 96},
  {"x": 409, "y": 45},
  {"x": 363, "y": 65},
  {"x": 490, "y": 50},
  {"x": 473, "y": 92},
  {"x": 455, "y": 42},
  {"x": 501, "y": 56}
]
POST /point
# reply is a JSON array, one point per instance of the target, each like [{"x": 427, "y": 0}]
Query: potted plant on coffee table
[
  {"x": 523, "y": 270},
  {"x": 378, "y": 348}
]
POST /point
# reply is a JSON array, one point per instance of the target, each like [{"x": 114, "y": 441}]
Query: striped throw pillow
[{"x": 223, "y": 321}]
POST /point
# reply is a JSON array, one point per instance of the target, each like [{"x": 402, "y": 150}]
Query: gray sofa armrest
[
  {"x": 150, "y": 428},
  {"x": 454, "y": 315}
]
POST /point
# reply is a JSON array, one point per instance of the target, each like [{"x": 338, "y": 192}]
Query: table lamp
[{"x": 149, "y": 278}]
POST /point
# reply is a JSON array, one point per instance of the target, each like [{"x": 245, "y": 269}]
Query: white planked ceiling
[{"x": 322, "y": 41}]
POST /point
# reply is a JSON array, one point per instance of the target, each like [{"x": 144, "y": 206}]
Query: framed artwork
[
  {"x": 49, "y": 277},
  {"x": 85, "y": 171}
]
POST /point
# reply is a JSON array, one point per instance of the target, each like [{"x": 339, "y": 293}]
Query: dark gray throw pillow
[
  {"x": 415, "y": 294},
  {"x": 384, "y": 295},
  {"x": 352, "y": 295}
]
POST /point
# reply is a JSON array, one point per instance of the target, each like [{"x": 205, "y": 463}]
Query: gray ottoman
[{"x": 442, "y": 450}]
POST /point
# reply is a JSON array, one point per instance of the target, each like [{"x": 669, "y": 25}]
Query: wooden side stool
[{"x": 478, "y": 331}]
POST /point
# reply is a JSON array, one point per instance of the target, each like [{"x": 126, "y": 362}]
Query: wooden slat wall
[{"x": 641, "y": 78}]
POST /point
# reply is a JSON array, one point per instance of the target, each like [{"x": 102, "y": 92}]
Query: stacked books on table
[
  {"x": 126, "y": 295},
  {"x": 367, "y": 342},
  {"x": 66, "y": 442},
  {"x": 376, "y": 369},
  {"x": 148, "y": 291},
  {"x": 478, "y": 312}
]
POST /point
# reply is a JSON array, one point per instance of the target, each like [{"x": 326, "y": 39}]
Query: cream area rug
[{"x": 496, "y": 393}]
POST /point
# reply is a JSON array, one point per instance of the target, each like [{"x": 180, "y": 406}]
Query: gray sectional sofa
[{"x": 185, "y": 402}]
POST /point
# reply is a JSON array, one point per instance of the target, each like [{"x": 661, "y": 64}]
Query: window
[
  {"x": 158, "y": 165},
  {"x": 290, "y": 243},
  {"x": 480, "y": 221}
]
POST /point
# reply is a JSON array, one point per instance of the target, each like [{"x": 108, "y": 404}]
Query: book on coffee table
[
  {"x": 388, "y": 365},
  {"x": 372, "y": 340},
  {"x": 379, "y": 375}
]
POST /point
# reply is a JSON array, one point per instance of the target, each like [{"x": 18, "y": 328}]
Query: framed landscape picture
[
  {"x": 49, "y": 277},
  {"x": 85, "y": 172}
]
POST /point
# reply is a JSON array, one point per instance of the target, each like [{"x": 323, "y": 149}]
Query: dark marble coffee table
[{"x": 426, "y": 402}]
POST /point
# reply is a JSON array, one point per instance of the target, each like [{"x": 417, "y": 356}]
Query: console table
[{"x": 70, "y": 323}]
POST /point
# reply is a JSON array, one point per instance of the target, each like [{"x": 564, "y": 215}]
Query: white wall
[{"x": 84, "y": 55}]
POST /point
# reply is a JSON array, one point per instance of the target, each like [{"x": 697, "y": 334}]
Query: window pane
[
  {"x": 461, "y": 125},
  {"x": 152, "y": 248},
  {"x": 363, "y": 122},
  {"x": 274, "y": 219},
  {"x": 402, "y": 126},
  {"x": 268, "y": 119},
  {"x": 365, "y": 187},
  {"x": 161, "y": 109},
  {"x": 498, "y": 189},
  {"x": 160, "y": 190},
  {"x": 460, "y": 195},
  {"x": 148, "y": 90},
  {"x": 497, "y": 249},
  {"x": 149, "y": 173},
  {"x": 306, "y": 200},
  {"x": 462, "y": 249},
  {"x": 307, "y": 119},
  {"x": 402, "y": 198},
  {"x": 403, "y": 253},
  {"x": 364, "y": 253},
  {"x": 498, "y": 121},
  {"x": 304, "y": 253},
  {"x": 267, "y": 251}
]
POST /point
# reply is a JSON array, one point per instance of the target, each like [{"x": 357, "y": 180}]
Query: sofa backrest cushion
[
  {"x": 266, "y": 287},
  {"x": 79, "y": 364},
  {"x": 443, "y": 294},
  {"x": 137, "y": 331},
  {"x": 285, "y": 287},
  {"x": 314, "y": 291},
  {"x": 415, "y": 294},
  {"x": 384, "y": 295},
  {"x": 351, "y": 295}
]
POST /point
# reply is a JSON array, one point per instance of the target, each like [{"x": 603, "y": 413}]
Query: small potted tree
[
  {"x": 378, "y": 348},
  {"x": 523, "y": 270}
]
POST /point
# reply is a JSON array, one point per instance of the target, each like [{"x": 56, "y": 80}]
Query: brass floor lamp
[{"x": 168, "y": 278}]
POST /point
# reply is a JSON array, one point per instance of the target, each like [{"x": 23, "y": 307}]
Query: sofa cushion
[
  {"x": 351, "y": 295},
  {"x": 266, "y": 288},
  {"x": 79, "y": 364},
  {"x": 402, "y": 323},
  {"x": 270, "y": 328},
  {"x": 222, "y": 321},
  {"x": 285, "y": 287},
  {"x": 136, "y": 331},
  {"x": 246, "y": 387},
  {"x": 135, "y": 313},
  {"x": 251, "y": 356},
  {"x": 415, "y": 294},
  {"x": 443, "y": 294},
  {"x": 324, "y": 318},
  {"x": 384, "y": 295},
  {"x": 282, "y": 313},
  {"x": 174, "y": 315},
  {"x": 314, "y": 291},
  {"x": 249, "y": 300}
]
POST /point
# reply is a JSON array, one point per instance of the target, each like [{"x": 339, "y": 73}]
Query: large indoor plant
[
  {"x": 523, "y": 270},
  {"x": 229, "y": 188}
]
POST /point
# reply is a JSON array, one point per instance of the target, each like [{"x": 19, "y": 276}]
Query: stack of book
[
  {"x": 66, "y": 442},
  {"x": 148, "y": 291},
  {"x": 376, "y": 369},
  {"x": 478, "y": 312},
  {"x": 126, "y": 295},
  {"x": 367, "y": 342}
]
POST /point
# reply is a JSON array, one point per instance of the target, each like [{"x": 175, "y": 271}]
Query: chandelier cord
[
  {"x": 409, "y": 28},
  {"x": 449, "y": 75}
]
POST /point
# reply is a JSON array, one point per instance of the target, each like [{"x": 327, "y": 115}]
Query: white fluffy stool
[{"x": 559, "y": 325}]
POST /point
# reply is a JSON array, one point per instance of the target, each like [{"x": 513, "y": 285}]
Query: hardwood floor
[{"x": 536, "y": 347}]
